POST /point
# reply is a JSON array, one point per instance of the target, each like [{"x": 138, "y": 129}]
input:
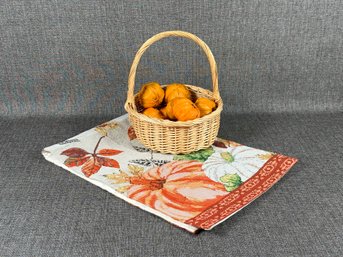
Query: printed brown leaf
[
  {"x": 91, "y": 167},
  {"x": 108, "y": 162},
  {"x": 91, "y": 162},
  {"x": 220, "y": 144},
  {"x": 75, "y": 152},
  {"x": 109, "y": 152},
  {"x": 72, "y": 161},
  {"x": 131, "y": 133}
]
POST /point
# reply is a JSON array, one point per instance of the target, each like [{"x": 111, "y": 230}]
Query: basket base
[{"x": 175, "y": 140}]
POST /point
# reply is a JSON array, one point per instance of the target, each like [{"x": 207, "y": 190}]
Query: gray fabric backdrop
[{"x": 73, "y": 57}]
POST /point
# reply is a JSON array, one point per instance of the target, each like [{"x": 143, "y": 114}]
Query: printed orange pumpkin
[
  {"x": 179, "y": 189},
  {"x": 176, "y": 90},
  {"x": 153, "y": 113},
  {"x": 184, "y": 109},
  {"x": 151, "y": 95}
]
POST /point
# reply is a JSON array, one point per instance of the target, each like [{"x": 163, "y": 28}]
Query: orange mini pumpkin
[
  {"x": 176, "y": 90},
  {"x": 167, "y": 111},
  {"x": 205, "y": 105},
  {"x": 153, "y": 113},
  {"x": 184, "y": 109},
  {"x": 151, "y": 95}
]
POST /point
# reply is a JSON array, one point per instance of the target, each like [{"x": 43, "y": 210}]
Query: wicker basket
[{"x": 175, "y": 137}]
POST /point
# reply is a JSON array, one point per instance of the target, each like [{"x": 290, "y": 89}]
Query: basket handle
[{"x": 176, "y": 33}]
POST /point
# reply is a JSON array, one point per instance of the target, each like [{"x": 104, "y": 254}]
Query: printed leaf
[
  {"x": 159, "y": 162},
  {"x": 122, "y": 177},
  {"x": 108, "y": 125},
  {"x": 266, "y": 156},
  {"x": 72, "y": 162},
  {"x": 105, "y": 127},
  {"x": 91, "y": 167},
  {"x": 219, "y": 144},
  {"x": 233, "y": 144},
  {"x": 135, "y": 169},
  {"x": 223, "y": 143},
  {"x": 109, "y": 152},
  {"x": 68, "y": 141},
  {"x": 140, "y": 149},
  {"x": 108, "y": 162},
  {"x": 149, "y": 162},
  {"x": 75, "y": 152},
  {"x": 143, "y": 162},
  {"x": 200, "y": 155},
  {"x": 131, "y": 133},
  {"x": 123, "y": 189}
]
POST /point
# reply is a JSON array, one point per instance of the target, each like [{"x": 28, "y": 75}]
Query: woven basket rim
[{"x": 168, "y": 123}]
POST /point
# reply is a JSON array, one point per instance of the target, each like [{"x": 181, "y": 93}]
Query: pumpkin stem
[
  {"x": 152, "y": 184},
  {"x": 227, "y": 157}
]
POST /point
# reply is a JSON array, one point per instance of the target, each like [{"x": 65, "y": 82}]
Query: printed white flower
[{"x": 241, "y": 160}]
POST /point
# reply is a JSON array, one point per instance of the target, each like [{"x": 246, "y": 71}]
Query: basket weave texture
[{"x": 175, "y": 137}]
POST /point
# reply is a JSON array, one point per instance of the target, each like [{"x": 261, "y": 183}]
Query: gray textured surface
[
  {"x": 73, "y": 57},
  {"x": 45, "y": 211}
]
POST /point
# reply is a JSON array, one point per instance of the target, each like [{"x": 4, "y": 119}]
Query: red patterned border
[{"x": 271, "y": 172}]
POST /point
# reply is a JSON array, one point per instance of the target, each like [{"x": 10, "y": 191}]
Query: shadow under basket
[{"x": 176, "y": 137}]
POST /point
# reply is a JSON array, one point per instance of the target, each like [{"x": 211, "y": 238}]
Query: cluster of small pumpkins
[{"x": 174, "y": 102}]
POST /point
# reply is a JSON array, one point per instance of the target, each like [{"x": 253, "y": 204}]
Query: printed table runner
[{"x": 193, "y": 191}]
